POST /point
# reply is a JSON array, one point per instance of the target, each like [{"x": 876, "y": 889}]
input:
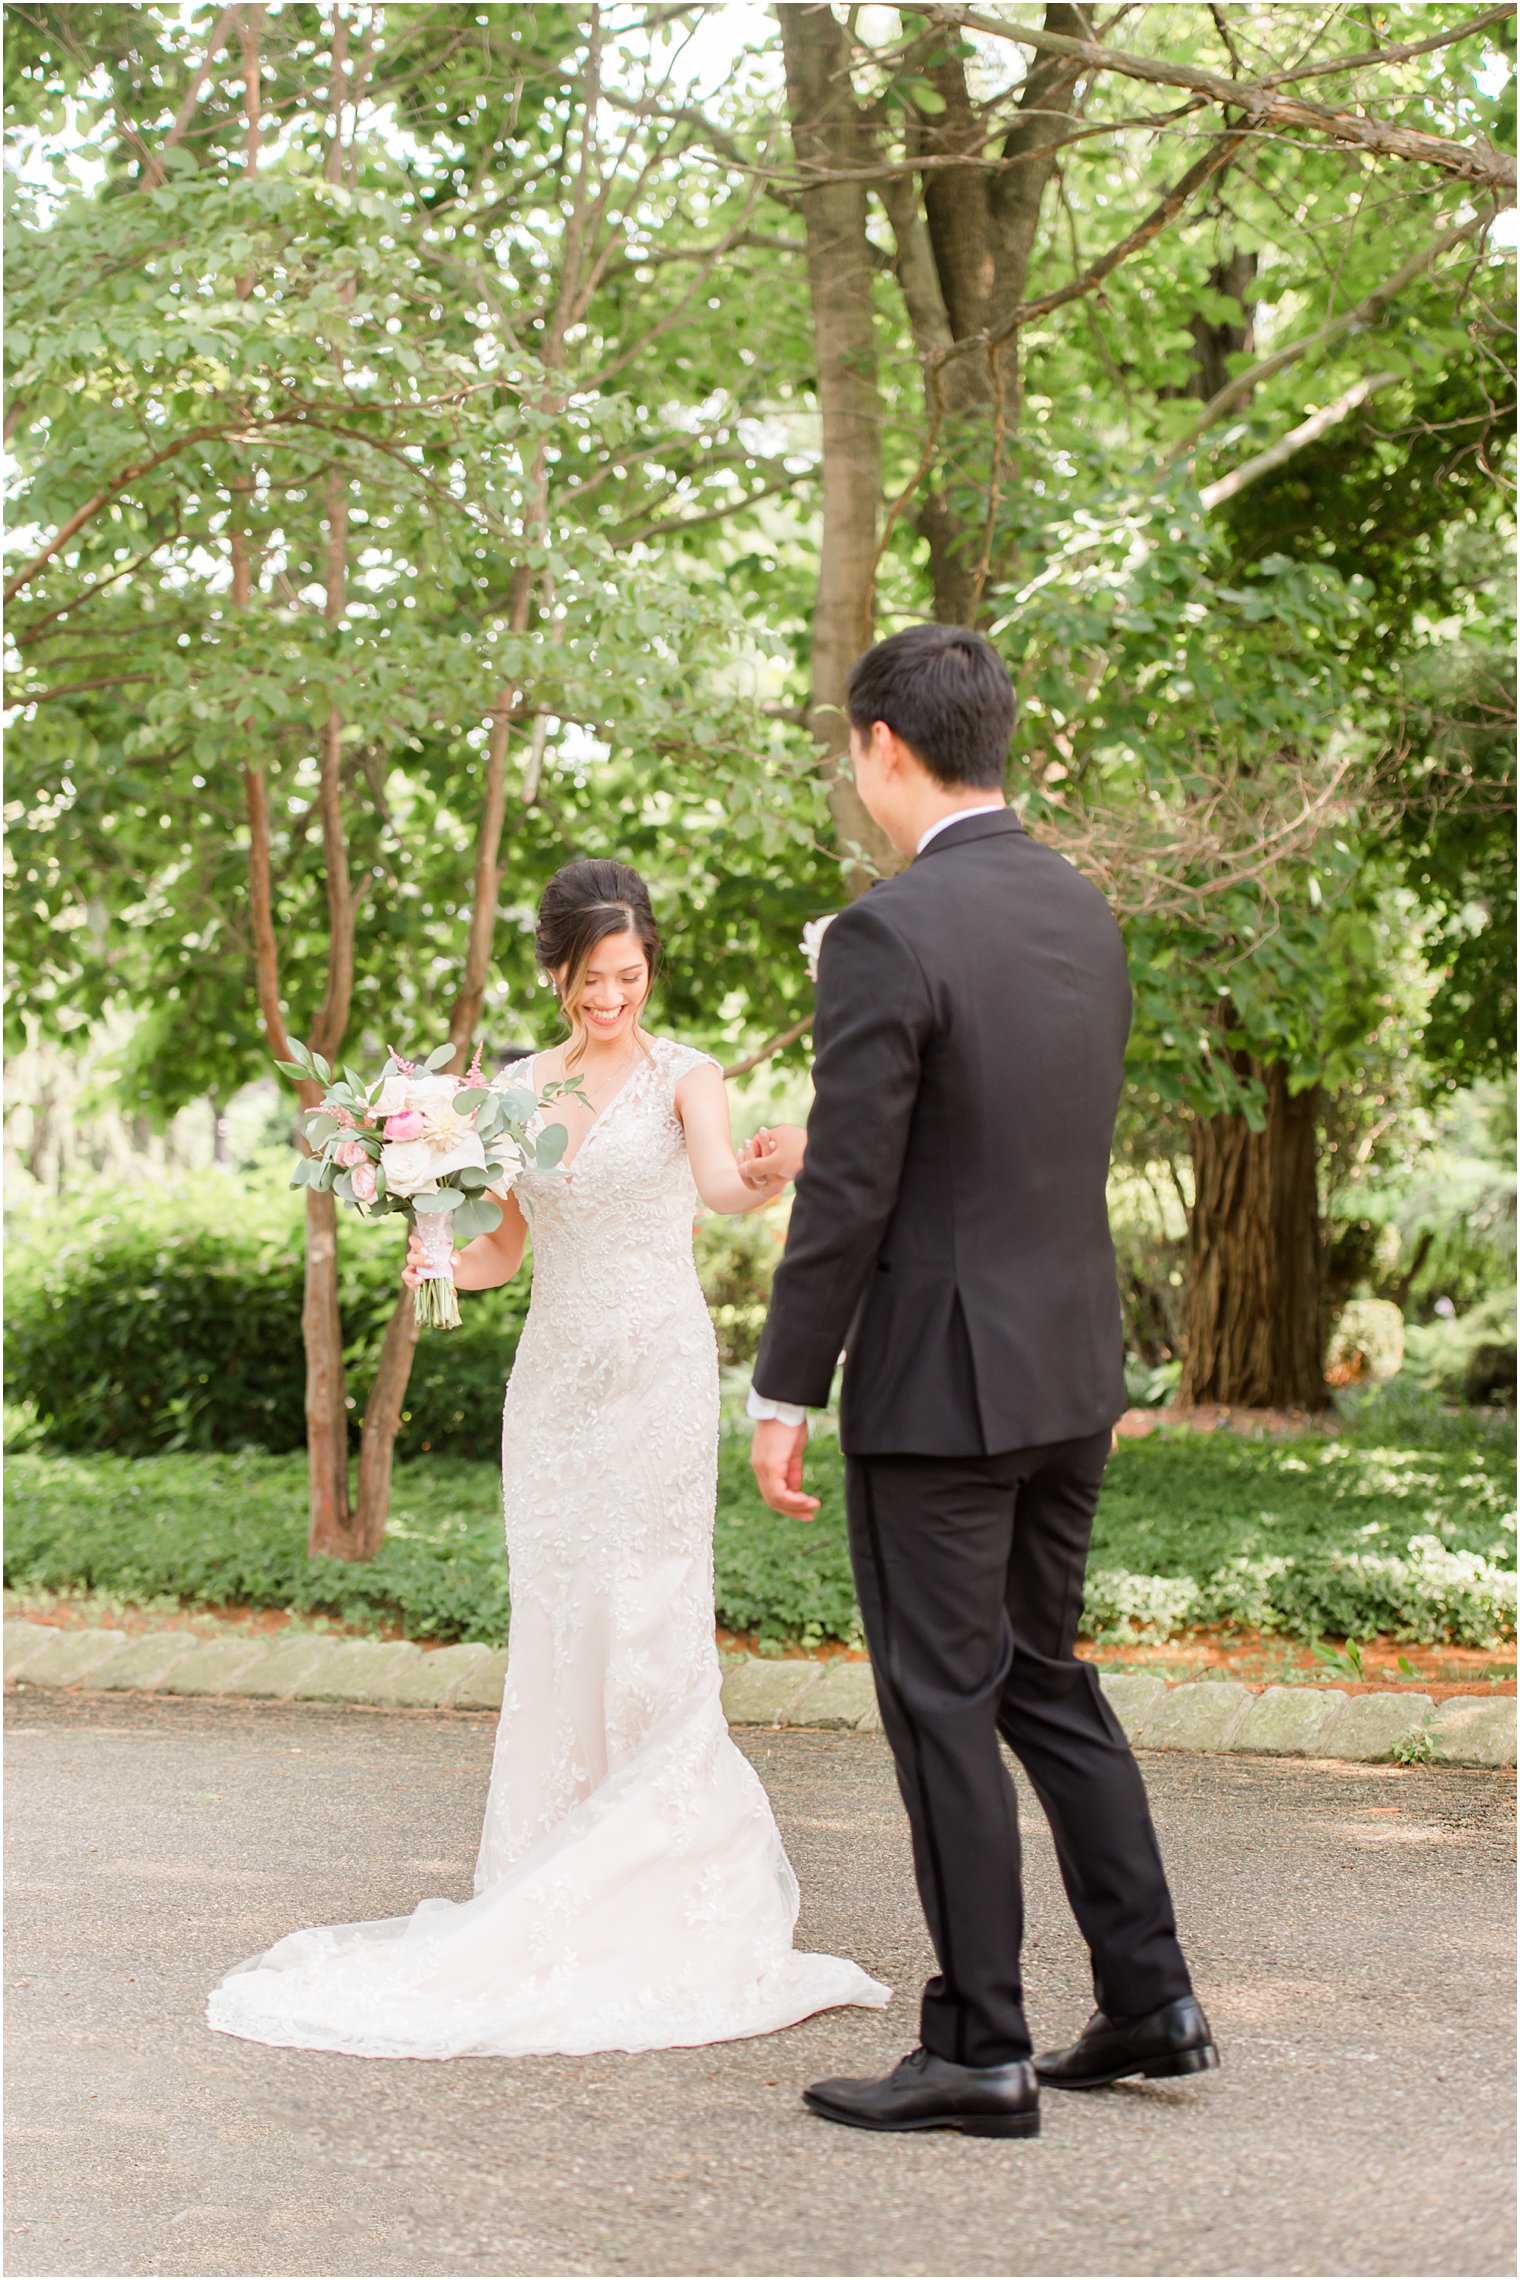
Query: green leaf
[
  {"x": 296, "y": 1069},
  {"x": 439, "y": 1055},
  {"x": 552, "y": 1143},
  {"x": 443, "y": 1200},
  {"x": 480, "y": 1216},
  {"x": 465, "y": 1100},
  {"x": 926, "y": 98}
]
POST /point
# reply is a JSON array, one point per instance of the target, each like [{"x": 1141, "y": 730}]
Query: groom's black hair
[{"x": 946, "y": 692}]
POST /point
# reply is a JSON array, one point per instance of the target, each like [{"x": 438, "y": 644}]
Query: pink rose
[
  {"x": 362, "y": 1180},
  {"x": 348, "y": 1153},
  {"x": 409, "y": 1125}
]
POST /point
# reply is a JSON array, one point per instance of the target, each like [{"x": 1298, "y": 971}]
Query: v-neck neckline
[{"x": 602, "y": 1113}]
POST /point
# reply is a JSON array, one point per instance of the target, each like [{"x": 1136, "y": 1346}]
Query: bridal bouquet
[{"x": 416, "y": 1141}]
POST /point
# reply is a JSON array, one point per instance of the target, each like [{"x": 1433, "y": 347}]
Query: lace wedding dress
[{"x": 631, "y": 1891}]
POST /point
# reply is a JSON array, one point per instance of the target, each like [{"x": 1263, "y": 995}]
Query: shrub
[
  {"x": 1471, "y": 1358},
  {"x": 147, "y": 1323},
  {"x": 1366, "y": 1342},
  {"x": 736, "y": 1258}
]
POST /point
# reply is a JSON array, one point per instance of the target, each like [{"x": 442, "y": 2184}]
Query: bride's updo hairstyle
[{"x": 582, "y": 904}]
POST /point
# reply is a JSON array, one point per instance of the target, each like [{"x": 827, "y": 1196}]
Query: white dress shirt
[{"x": 759, "y": 1405}]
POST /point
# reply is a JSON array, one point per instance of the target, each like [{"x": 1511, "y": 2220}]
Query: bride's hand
[
  {"x": 773, "y": 1156},
  {"x": 415, "y": 1261}
]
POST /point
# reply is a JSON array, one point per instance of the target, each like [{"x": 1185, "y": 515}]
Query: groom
[{"x": 950, "y": 1230}]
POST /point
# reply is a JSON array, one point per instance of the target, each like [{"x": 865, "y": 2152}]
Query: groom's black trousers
[{"x": 969, "y": 1571}]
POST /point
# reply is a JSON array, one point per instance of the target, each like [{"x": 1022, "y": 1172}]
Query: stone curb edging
[{"x": 1199, "y": 1714}]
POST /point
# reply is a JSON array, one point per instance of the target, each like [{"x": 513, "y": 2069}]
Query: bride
[{"x": 631, "y": 1890}]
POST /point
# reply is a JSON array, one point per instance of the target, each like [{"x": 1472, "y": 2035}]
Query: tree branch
[
  {"x": 1262, "y": 107},
  {"x": 1235, "y": 391},
  {"x": 92, "y": 507},
  {"x": 1308, "y": 431},
  {"x": 777, "y": 1044},
  {"x": 72, "y": 689},
  {"x": 153, "y": 173},
  {"x": 1171, "y": 203}
]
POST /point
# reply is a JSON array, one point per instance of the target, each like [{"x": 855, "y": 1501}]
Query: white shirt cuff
[{"x": 763, "y": 1409}]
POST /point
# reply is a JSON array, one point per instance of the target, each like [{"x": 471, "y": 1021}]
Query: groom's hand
[{"x": 776, "y": 1455}]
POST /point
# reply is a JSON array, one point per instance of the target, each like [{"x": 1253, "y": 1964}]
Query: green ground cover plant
[{"x": 1400, "y": 1524}]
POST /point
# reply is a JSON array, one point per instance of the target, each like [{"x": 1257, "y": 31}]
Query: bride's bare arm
[
  {"x": 702, "y": 1105},
  {"x": 489, "y": 1260}
]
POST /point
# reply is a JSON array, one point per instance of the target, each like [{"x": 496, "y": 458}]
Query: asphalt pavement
[{"x": 1350, "y": 1928}]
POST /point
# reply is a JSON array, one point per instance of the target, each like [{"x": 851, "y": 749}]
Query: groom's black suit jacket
[{"x": 950, "y": 1226}]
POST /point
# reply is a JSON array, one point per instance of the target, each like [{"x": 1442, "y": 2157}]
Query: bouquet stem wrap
[{"x": 437, "y": 1298}]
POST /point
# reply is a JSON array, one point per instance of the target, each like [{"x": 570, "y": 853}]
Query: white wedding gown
[{"x": 631, "y": 1891}]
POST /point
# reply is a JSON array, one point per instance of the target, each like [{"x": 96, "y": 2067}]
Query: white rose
[
  {"x": 431, "y": 1092},
  {"x": 392, "y": 1097},
  {"x": 398, "y": 1092},
  {"x": 409, "y": 1166}
]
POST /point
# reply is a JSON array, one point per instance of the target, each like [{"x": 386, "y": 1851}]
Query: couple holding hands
[{"x": 950, "y": 1230}]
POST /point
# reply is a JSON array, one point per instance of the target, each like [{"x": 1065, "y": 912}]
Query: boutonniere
[{"x": 812, "y": 942}]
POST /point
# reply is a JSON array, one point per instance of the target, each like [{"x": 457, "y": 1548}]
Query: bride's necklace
[{"x": 618, "y": 1078}]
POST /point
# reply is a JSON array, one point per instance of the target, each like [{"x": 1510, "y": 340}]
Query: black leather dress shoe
[
  {"x": 927, "y": 2093},
  {"x": 1173, "y": 2040}
]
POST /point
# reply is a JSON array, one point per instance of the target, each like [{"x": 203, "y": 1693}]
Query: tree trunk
[
  {"x": 382, "y": 1411},
  {"x": 42, "y": 1130},
  {"x": 981, "y": 228},
  {"x": 829, "y": 138},
  {"x": 1253, "y": 1308},
  {"x": 382, "y": 1419},
  {"x": 329, "y": 1531},
  {"x": 1215, "y": 344}
]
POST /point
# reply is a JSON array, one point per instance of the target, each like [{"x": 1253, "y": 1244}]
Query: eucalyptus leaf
[
  {"x": 442, "y": 1200},
  {"x": 551, "y": 1145},
  {"x": 480, "y": 1216},
  {"x": 439, "y": 1055}
]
